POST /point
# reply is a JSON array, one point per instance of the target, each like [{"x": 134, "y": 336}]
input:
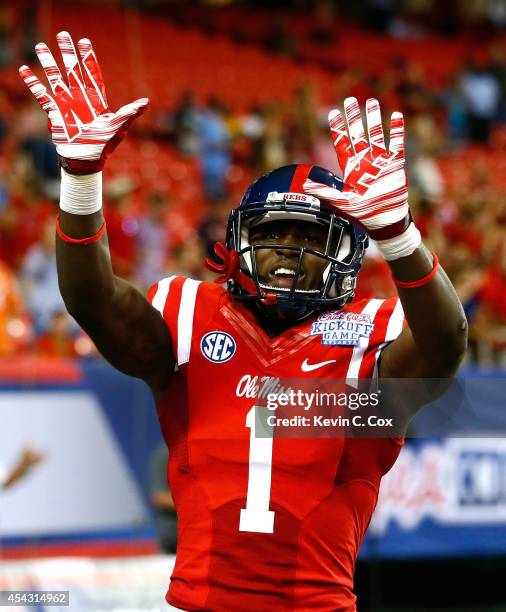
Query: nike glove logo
[{"x": 309, "y": 367}]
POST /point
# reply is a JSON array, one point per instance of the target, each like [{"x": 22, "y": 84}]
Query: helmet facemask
[{"x": 342, "y": 255}]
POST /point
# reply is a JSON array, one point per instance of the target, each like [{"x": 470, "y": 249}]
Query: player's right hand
[{"x": 82, "y": 127}]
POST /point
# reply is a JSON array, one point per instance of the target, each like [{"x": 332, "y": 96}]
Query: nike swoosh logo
[{"x": 309, "y": 367}]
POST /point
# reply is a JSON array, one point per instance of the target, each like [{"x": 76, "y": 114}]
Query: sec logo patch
[{"x": 218, "y": 347}]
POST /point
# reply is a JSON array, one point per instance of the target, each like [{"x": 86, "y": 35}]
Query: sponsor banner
[
  {"x": 84, "y": 482},
  {"x": 452, "y": 482}
]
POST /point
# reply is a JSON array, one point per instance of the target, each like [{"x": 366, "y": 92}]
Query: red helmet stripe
[{"x": 299, "y": 177}]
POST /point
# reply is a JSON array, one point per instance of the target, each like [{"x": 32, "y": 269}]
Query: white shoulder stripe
[
  {"x": 185, "y": 320},
  {"x": 370, "y": 309},
  {"x": 161, "y": 294},
  {"x": 394, "y": 328},
  {"x": 395, "y": 322}
]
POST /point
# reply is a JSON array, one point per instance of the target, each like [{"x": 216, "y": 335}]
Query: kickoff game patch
[{"x": 342, "y": 328}]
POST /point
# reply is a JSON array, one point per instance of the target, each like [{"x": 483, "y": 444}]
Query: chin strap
[{"x": 229, "y": 270}]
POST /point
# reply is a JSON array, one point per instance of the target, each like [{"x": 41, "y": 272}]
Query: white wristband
[
  {"x": 81, "y": 195},
  {"x": 402, "y": 245}
]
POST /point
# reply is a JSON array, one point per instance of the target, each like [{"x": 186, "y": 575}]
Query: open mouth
[{"x": 283, "y": 277}]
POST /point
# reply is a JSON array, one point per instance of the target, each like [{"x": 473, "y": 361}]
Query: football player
[{"x": 265, "y": 524}]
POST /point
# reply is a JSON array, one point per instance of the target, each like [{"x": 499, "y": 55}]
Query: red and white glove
[
  {"x": 375, "y": 191},
  {"x": 82, "y": 127}
]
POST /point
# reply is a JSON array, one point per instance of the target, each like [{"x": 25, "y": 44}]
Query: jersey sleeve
[
  {"x": 185, "y": 305},
  {"x": 388, "y": 321}
]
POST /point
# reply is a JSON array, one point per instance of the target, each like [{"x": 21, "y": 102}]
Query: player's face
[{"x": 276, "y": 267}]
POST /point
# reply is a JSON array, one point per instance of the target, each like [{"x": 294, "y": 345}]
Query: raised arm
[
  {"x": 376, "y": 196},
  {"x": 126, "y": 329}
]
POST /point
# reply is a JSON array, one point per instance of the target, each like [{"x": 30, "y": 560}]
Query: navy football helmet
[{"x": 278, "y": 195}]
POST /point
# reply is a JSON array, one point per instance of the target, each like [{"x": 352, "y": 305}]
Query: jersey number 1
[{"x": 256, "y": 516}]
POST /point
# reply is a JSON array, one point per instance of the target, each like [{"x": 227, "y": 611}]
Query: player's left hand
[{"x": 375, "y": 192}]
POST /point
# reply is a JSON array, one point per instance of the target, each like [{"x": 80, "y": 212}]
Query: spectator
[
  {"x": 304, "y": 129},
  {"x": 496, "y": 13},
  {"x": 323, "y": 153},
  {"x": 3, "y": 117},
  {"x": 185, "y": 124},
  {"x": 24, "y": 216},
  {"x": 40, "y": 280},
  {"x": 482, "y": 97},
  {"x": 214, "y": 149},
  {"x": 7, "y": 47},
  {"x": 457, "y": 116},
  {"x": 489, "y": 329},
  {"x": 13, "y": 325},
  {"x": 279, "y": 40},
  {"x": 152, "y": 240},
  {"x": 270, "y": 150},
  {"x": 31, "y": 134},
  {"x": 211, "y": 228},
  {"x": 498, "y": 68},
  {"x": 380, "y": 14},
  {"x": 58, "y": 340},
  {"x": 122, "y": 225},
  {"x": 324, "y": 30}
]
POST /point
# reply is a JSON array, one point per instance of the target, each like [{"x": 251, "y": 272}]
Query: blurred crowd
[{"x": 456, "y": 148}]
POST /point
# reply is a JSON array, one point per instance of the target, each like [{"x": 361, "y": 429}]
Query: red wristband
[
  {"x": 421, "y": 281},
  {"x": 86, "y": 240}
]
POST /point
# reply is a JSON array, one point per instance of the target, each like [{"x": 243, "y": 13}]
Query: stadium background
[{"x": 238, "y": 88}]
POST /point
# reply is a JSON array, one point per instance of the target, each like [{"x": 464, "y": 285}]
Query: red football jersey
[{"x": 265, "y": 524}]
